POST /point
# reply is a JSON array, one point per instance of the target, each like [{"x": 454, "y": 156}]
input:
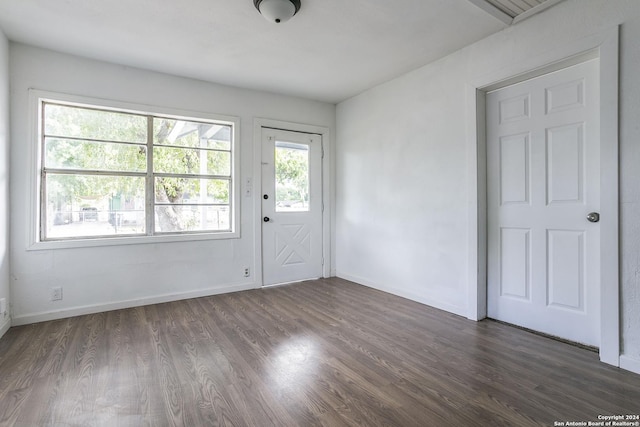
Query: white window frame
[{"x": 36, "y": 100}]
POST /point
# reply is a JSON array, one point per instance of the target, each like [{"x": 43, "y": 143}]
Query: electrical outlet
[
  {"x": 3, "y": 307},
  {"x": 56, "y": 293},
  {"x": 247, "y": 273}
]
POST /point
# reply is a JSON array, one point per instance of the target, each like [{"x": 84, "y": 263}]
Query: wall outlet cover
[{"x": 56, "y": 294}]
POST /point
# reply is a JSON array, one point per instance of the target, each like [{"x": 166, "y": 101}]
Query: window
[
  {"x": 108, "y": 173},
  {"x": 292, "y": 177}
]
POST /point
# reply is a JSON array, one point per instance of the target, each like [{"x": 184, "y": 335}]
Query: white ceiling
[{"x": 331, "y": 50}]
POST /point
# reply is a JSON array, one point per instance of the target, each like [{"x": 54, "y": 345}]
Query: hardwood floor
[{"x": 326, "y": 352}]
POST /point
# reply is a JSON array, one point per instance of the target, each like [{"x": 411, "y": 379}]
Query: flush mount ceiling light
[{"x": 277, "y": 10}]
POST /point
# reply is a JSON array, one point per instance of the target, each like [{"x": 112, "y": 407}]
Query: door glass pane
[{"x": 292, "y": 177}]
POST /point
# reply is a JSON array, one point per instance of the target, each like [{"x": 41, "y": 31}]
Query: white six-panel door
[
  {"x": 543, "y": 178},
  {"x": 291, "y": 206}
]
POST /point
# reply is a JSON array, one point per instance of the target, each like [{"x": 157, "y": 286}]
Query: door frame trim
[
  {"x": 605, "y": 46},
  {"x": 327, "y": 186}
]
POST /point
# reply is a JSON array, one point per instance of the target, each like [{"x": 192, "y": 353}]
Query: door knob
[
  {"x": 266, "y": 219},
  {"x": 593, "y": 217}
]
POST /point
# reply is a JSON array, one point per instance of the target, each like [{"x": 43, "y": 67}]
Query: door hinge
[{"x": 323, "y": 261}]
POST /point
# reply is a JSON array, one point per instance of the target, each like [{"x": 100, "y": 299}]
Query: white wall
[
  {"x": 402, "y": 162},
  {"x": 4, "y": 179},
  {"x": 94, "y": 279}
]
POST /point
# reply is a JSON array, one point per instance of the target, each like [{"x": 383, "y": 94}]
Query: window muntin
[{"x": 97, "y": 179}]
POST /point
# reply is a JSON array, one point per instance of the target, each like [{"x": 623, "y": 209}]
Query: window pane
[
  {"x": 91, "y": 205},
  {"x": 191, "y": 190},
  {"x": 191, "y": 161},
  {"x": 86, "y": 152},
  {"x": 292, "y": 177},
  {"x": 62, "y": 120},
  {"x": 175, "y": 218},
  {"x": 191, "y": 134},
  {"x": 74, "y": 154}
]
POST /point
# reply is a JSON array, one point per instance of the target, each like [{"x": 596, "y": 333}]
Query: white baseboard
[
  {"x": 25, "y": 319},
  {"x": 461, "y": 311},
  {"x": 630, "y": 364},
  {"x": 4, "y": 327}
]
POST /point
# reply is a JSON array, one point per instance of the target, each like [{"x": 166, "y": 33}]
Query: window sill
[{"x": 131, "y": 240}]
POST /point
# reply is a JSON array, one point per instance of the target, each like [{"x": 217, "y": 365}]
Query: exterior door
[
  {"x": 291, "y": 206},
  {"x": 543, "y": 177}
]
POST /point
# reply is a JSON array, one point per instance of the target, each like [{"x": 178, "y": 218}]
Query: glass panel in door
[{"x": 292, "y": 177}]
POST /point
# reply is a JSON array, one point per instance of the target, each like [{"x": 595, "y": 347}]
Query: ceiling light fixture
[{"x": 277, "y": 10}]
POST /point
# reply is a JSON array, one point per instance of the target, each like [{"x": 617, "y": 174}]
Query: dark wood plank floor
[{"x": 327, "y": 352}]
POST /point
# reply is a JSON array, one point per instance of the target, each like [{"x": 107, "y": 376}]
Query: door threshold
[
  {"x": 553, "y": 337},
  {"x": 289, "y": 283}
]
